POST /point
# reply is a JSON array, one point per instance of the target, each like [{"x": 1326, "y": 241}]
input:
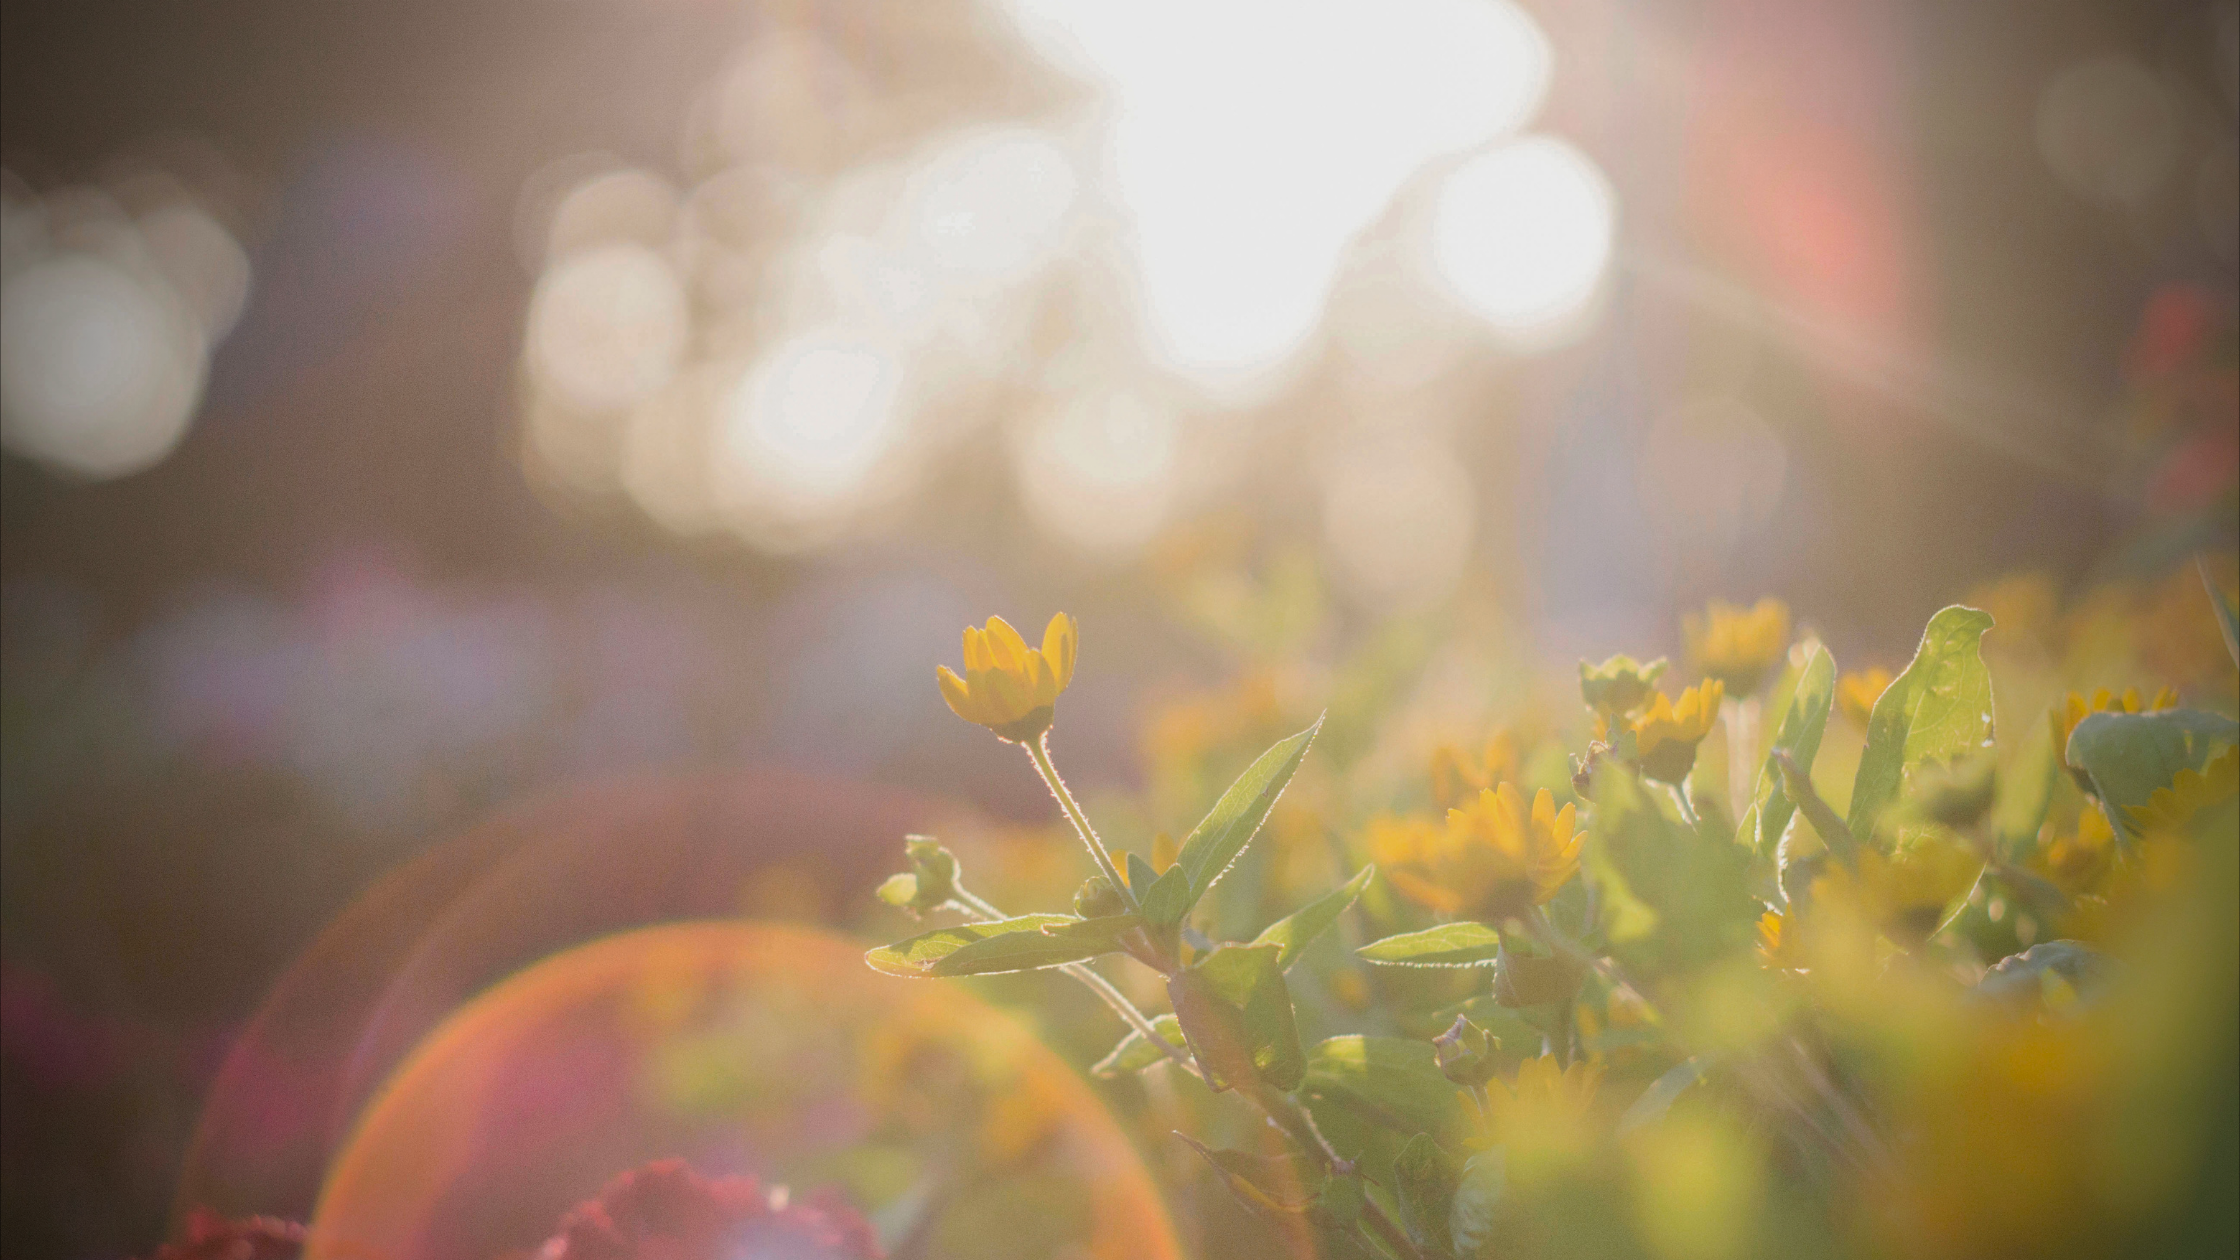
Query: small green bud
[
  {"x": 1097, "y": 897},
  {"x": 1465, "y": 1053},
  {"x": 931, "y": 881},
  {"x": 1619, "y": 685}
]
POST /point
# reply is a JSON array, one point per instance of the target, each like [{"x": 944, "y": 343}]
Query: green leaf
[
  {"x": 1275, "y": 1185},
  {"x": 1465, "y": 944},
  {"x": 1140, "y": 875},
  {"x": 1530, "y": 980},
  {"x": 1393, "y": 1081},
  {"x": 1236, "y": 1012},
  {"x": 1297, "y": 930},
  {"x": 1802, "y": 724},
  {"x": 1425, "y": 1179},
  {"x": 1135, "y": 1052},
  {"x": 2020, "y": 978},
  {"x": 2228, "y": 612},
  {"x": 1656, "y": 1100},
  {"x": 1053, "y": 946},
  {"x": 915, "y": 957},
  {"x": 1477, "y": 1203},
  {"x": 1678, "y": 899},
  {"x": 1939, "y": 707},
  {"x": 1228, "y": 827},
  {"x": 2131, "y": 755}
]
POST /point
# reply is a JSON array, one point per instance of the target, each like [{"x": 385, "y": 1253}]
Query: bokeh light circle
[
  {"x": 100, "y": 370},
  {"x": 1522, "y": 236},
  {"x": 607, "y": 326},
  {"x": 2109, "y": 129},
  {"x": 740, "y": 1047}
]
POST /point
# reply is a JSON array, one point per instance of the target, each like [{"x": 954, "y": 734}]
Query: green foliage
[
  {"x": 1389, "y": 1081},
  {"x": 1689, "y": 889},
  {"x": 1464, "y": 944},
  {"x": 1297, "y": 930},
  {"x": 1236, "y": 1012},
  {"x": 1940, "y": 707},
  {"x": 1656, "y": 1100},
  {"x": 1802, "y": 725},
  {"x": 1025, "y": 943},
  {"x": 2129, "y": 756},
  {"x": 1226, "y": 829},
  {"x": 1424, "y": 1181}
]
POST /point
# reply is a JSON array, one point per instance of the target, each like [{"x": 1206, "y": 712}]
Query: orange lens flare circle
[{"x": 742, "y": 1047}]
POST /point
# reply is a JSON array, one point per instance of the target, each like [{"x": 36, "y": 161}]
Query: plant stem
[
  {"x": 1129, "y": 1012},
  {"x": 1742, "y": 755},
  {"x": 1038, "y": 752},
  {"x": 1536, "y": 922},
  {"x": 1687, "y": 808}
]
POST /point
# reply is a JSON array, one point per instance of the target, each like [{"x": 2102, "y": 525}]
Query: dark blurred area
[{"x": 1878, "y": 266}]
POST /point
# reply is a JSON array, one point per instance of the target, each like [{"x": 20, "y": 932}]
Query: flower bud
[
  {"x": 1097, "y": 898},
  {"x": 1465, "y": 1053}
]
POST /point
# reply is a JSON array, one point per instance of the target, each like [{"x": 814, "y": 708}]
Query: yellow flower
[
  {"x": 1457, "y": 775},
  {"x": 2171, "y": 808},
  {"x": 1546, "y": 1119},
  {"x": 1667, "y": 732},
  {"x": 1904, "y": 895},
  {"x": 1493, "y": 859},
  {"x": 1008, "y": 687},
  {"x": 1857, "y": 692},
  {"x": 1777, "y": 947},
  {"x": 2075, "y": 708},
  {"x": 1738, "y": 646},
  {"x": 2078, "y": 863}
]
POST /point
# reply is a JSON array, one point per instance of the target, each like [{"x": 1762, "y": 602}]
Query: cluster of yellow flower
[{"x": 1841, "y": 1014}]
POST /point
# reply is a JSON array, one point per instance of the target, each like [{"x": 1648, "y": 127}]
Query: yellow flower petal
[{"x": 1060, "y": 641}]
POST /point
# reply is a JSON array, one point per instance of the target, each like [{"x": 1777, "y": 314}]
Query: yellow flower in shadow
[
  {"x": 1008, "y": 687},
  {"x": 2170, "y": 808},
  {"x": 1738, "y": 646},
  {"x": 2074, "y": 708},
  {"x": 1904, "y": 895},
  {"x": 1777, "y": 946},
  {"x": 1495, "y": 858},
  {"x": 1856, "y": 692},
  {"x": 1666, "y": 733},
  {"x": 1457, "y": 775}
]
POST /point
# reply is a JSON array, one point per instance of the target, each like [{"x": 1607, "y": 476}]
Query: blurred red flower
[
  {"x": 213, "y": 1237},
  {"x": 667, "y": 1211}
]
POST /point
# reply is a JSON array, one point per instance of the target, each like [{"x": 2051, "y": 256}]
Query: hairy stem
[
  {"x": 1536, "y": 923},
  {"x": 1129, "y": 1012},
  {"x": 1038, "y": 752}
]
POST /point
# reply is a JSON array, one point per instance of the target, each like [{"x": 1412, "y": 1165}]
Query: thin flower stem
[
  {"x": 1129, "y": 1012},
  {"x": 1038, "y": 751},
  {"x": 1742, "y": 754},
  {"x": 1687, "y": 808}
]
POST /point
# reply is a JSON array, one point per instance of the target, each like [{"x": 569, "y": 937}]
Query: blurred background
[{"x": 413, "y": 411}]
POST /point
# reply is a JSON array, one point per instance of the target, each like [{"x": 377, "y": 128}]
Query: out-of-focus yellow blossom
[
  {"x": 1903, "y": 895},
  {"x": 1456, "y": 775},
  {"x": 2027, "y": 608},
  {"x": 2075, "y": 708},
  {"x": 1666, "y": 733},
  {"x": 1494, "y": 859},
  {"x": 1777, "y": 947},
  {"x": 1738, "y": 646},
  {"x": 1857, "y": 691},
  {"x": 2077, "y": 862},
  {"x": 1546, "y": 1118},
  {"x": 2171, "y": 808},
  {"x": 1008, "y": 687}
]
